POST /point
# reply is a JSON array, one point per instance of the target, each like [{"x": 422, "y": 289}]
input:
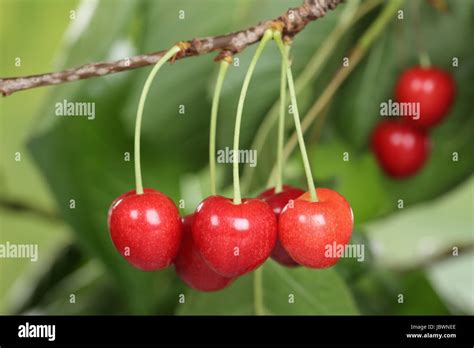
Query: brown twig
[{"x": 292, "y": 22}]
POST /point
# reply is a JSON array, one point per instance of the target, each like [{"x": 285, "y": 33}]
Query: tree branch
[{"x": 293, "y": 21}]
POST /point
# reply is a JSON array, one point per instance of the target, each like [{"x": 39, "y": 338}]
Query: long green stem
[
  {"x": 357, "y": 53},
  {"x": 423, "y": 55},
  {"x": 138, "y": 121},
  {"x": 281, "y": 125},
  {"x": 212, "y": 136},
  {"x": 238, "y": 120},
  {"x": 296, "y": 116},
  {"x": 350, "y": 15},
  {"x": 379, "y": 24},
  {"x": 258, "y": 292}
]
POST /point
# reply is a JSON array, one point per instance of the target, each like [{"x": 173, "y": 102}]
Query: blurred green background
[{"x": 409, "y": 251}]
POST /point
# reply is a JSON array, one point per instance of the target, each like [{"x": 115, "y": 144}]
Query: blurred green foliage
[{"x": 84, "y": 160}]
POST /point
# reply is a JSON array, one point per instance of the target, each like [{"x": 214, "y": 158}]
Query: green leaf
[
  {"x": 85, "y": 291},
  {"x": 17, "y": 273},
  {"x": 378, "y": 292},
  {"x": 237, "y": 299},
  {"x": 419, "y": 297},
  {"x": 351, "y": 268},
  {"x": 454, "y": 281},
  {"x": 313, "y": 291},
  {"x": 67, "y": 260},
  {"x": 414, "y": 234}
]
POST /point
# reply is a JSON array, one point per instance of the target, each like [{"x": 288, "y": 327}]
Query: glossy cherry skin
[
  {"x": 401, "y": 149},
  {"x": 433, "y": 88},
  {"x": 232, "y": 238},
  {"x": 307, "y": 229},
  {"x": 277, "y": 201},
  {"x": 146, "y": 229},
  {"x": 191, "y": 267},
  {"x": 271, "y": 191}
]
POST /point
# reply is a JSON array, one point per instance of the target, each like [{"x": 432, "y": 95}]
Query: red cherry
[
  {"x": 401, "y": 149},
  {"x": 433, "y": 88},
  {"x": 271, "y": 191},
  {"x": 146, "y": 229},
  {"x": 277, "y": 201},
  {"x": 234, "y": 239},
  {"x": 309, "y": 230},
  {"x": 280, "y": 255},
  {"x": 191, "y": 267}
]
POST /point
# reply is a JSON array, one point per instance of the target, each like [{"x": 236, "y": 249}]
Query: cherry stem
[
  {"x": 238, "y": 120},
  {"x": 212, "y": 136},
  {"x": 357, "y": 54},
  {"x": 281, "y": 124},
  {"x": 424, "y": 59},
  {"x": 296, "y": 116},
  {"x": 313, "y": 68},
  {"x": 141, "y": 105},
  {"x": 423, "y": 56},
  {"x": 258, "y": 292}
]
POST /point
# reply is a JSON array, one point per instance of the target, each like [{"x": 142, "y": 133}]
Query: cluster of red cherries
[
  {"x": 222, "y": 240},
  {"x": 403, "y": 146}
]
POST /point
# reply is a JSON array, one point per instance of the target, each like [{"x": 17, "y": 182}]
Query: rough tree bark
[{"x": 292, "y": 21}]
